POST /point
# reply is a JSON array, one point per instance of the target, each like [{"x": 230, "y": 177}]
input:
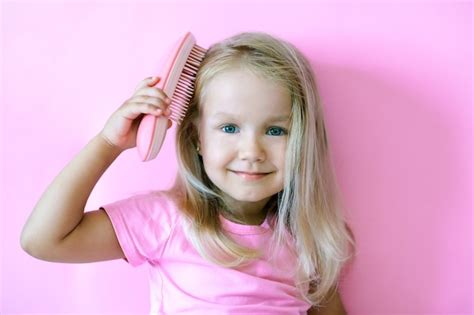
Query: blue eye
[
  {"x": 232, "y": 127},
  {"x": 282, "y": 131}
]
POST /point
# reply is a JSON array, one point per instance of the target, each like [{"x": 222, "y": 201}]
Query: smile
[{"x": 249, "y": 176}]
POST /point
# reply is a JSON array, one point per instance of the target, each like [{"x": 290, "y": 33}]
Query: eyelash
[{"x": 284, "y": 131}]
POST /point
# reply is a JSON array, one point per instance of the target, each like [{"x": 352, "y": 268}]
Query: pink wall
[{"x": 396, "y": 82}]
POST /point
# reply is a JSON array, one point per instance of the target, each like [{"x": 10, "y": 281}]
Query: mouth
[{"x": 250, "y": 176}]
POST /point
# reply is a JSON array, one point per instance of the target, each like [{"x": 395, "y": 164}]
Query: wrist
[{"x": 108, "y": 145}]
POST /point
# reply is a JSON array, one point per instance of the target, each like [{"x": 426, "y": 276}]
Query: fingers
[
  {"x": 148, "y": 108},
  {"x": 146, "y": 88},
  {"x": 152, "y": 91},
  {"x": 151, "y": 81},
  {"x": 149, "y": 100},
  {"x": 154, "y": 101}
]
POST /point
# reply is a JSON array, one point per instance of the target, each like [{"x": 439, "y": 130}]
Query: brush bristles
[{"x": 185, "y": 87}]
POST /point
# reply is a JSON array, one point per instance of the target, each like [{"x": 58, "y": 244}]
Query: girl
[{"x": 252, "y": 224}]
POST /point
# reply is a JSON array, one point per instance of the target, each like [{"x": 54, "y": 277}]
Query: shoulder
[{"x": 146, "y": 206}]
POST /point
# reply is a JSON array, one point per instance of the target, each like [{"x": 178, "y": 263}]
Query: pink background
[{"x": 396, "y": 85}]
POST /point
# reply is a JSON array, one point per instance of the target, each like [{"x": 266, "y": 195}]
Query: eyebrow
[{"x": 275, "y": 118}]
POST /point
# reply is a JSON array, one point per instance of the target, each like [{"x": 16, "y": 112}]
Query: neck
[{"x": 252, "y": 213}]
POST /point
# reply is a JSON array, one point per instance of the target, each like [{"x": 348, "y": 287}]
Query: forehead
[{"x": 238, "y": 91}]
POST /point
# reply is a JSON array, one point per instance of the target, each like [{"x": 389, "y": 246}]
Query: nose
[{"x": 250, "y": 149}]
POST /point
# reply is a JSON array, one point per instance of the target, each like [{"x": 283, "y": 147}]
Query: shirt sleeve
[{"x": 142, "y": 224}]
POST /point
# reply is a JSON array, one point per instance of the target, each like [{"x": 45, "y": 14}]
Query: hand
[{"x": 121, "y": 128}]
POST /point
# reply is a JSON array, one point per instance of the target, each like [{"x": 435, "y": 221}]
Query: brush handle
[
  {"x": 151, "y": 134},
  {"x": 183, "y": 57}
]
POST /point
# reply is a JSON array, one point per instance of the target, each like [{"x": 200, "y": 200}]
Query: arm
[
  {"x": 61, "y": 207},
  {"x": 58, "y": 229},
  {"x": 334, "y": 307}
]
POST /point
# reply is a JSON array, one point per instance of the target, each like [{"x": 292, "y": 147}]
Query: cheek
[
  {"x": 216, "y": 143},
  {"x": 216, "y": 154},
  {"x": 280, "y": 152},
  {"x": 280, "y": 159},
  {"x": 213, "y": 160}
]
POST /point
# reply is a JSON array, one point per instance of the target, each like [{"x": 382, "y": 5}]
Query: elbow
[
  {"x": 26, "y": 244},
  {"x": 39, "y": 248},
  {"x": 29, "y": 246},
  {"x": 32, "y": 250}
]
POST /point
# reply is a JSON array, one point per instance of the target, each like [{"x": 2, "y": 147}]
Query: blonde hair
[{"x": 307, "y": 214}]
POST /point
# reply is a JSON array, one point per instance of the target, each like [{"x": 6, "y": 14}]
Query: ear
[{"x": 196, "y": 125}]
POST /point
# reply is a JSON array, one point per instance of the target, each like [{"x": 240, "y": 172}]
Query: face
[{"x": 244, "y": 127}]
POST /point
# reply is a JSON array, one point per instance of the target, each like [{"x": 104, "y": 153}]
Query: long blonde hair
[{"x": 307, "y": 212}]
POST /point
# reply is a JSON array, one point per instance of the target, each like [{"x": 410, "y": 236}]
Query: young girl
[{"x": 252, "y": 224}]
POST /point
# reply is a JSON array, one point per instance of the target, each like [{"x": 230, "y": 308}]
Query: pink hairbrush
[{"x": 177, "y": 81}]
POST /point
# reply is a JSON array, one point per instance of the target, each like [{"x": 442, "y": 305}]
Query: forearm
[{"x": 61, "y": 206}]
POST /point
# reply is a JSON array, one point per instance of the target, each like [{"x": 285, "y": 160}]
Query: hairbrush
[{"x": 177, "y": 81}]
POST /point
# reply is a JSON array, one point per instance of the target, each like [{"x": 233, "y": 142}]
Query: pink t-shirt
[{"x": 148, "y": 228}]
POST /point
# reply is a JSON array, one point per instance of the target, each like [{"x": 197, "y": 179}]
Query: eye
[
  {"x": 280, "y": 131},
  {"x": 274, "y": 131},
  {"x": 228, "y": 128}
]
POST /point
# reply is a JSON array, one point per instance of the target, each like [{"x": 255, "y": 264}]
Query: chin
[{"x": 250, "y": 197}]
